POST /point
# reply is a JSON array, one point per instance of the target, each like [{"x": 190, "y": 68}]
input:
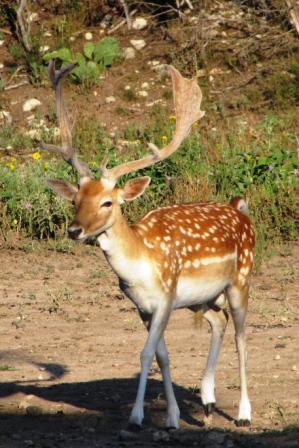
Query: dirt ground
[{"x": 69, "y": 360}]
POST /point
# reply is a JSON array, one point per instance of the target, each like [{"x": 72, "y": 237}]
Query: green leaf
[
  {"x": 80, "y": 58},
  {"x": 63, "y": 54},
  {"x": 262, "y": 161},
  {"x": 88, "y": 49},
  {"x": 106, "y": 51}
]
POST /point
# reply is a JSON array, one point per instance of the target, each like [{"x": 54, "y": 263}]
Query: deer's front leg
[
  {"x": 173, "y": 412},
  {"x": 156, "y": 324}
]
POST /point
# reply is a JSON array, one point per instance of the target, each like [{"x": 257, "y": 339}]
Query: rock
[
  {"x": 139, "y": 24},
  {"x": 138, "y": 43},
  {"x": 154, "y": 63},
  {"x": 1, "y": 66},
  {"x": 162, "y": 69},
  {"x": 88, "y": 36},
  {"x": 214, "y": 438},
  {"x": 145, "y": 85},
  {"x": 110, "y": 99},
  {"x": 143, "y": 93},
  {"x": 129, "y": 53},
  {"x": 33, "y": 17},
  {"x": 161, "y": 436},
  {"x": 31, "y": 104},
  {"x": 128, "y": 435},
  {"x": 34, "y": 411},
  {"x": 1, "y": 43},
  {"x": 44, "y": 48},
  {"x": 6, "y": 115}
]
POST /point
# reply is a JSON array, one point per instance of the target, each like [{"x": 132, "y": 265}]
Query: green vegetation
[{"x": 90, "y": 64}]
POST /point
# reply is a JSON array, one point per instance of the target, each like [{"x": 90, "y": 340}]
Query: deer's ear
[
  {"x": 134, "y": 188},
  {"x": 65, "y": 188}
]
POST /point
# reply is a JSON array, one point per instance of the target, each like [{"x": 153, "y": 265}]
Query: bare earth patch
[{"x": 70, "y": 350}]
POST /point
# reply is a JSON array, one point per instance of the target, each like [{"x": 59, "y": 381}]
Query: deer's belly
[{"x": 197, "y": 291}]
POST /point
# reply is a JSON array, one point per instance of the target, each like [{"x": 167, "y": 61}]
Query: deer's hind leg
[
  {"x": 217, "y": 318},
  {"x": 238, "y": 302}
]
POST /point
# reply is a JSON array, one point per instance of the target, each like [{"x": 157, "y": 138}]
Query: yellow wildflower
[
  {"x": 15, "y": 221},
  {"x": 164, "y": 137},
  {"x": 11, "y": 166},
  {"x": 195, "y": 124},
  {"x": 248, "y": 158},
  {"x": 172, "y": 117},
  {"x": 13, "y": 159},
  {"x": 36, "y": 155},
  {"x": 46, "y": 165}
]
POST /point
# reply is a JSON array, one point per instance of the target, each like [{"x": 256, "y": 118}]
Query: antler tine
[
  {"x": 187, "y": 99},
  {"x": 66, "y": 150}
]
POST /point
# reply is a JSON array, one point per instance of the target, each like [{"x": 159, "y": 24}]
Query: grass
[{"x": 7, "y": 367}]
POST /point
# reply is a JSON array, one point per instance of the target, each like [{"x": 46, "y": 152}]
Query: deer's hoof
[
  {"x": 133, "y": 427},
  {"x": 209, "y": 409},
  {"x": 243, "y": 423}
]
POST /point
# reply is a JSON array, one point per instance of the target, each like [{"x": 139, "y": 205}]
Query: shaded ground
[{"x": 70, "y": 345}]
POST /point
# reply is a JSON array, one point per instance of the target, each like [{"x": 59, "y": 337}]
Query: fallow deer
[{"x": 192, "y": 255}]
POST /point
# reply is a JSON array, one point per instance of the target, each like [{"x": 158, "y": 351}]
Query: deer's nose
[{"x": 74, "y": 232}]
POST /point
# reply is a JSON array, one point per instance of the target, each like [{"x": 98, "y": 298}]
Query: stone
[
  {"x": 110, "y": 99},
  {"x": 143, "y": 93},
  {"x": 88, "y": 36},
  {"x": 138, "y": 43},
  {"x": 161, "y": 436},
  {"x": 31, "y": 104},
  {"x": 139, "y": 24},
  {"x": 129, "y": 53},
  {"x": 128, "y": 435},
  {"x": 214, "y": 437},
  {"x": 34, "y": 411},
  {"x": 44, "y": 48}
]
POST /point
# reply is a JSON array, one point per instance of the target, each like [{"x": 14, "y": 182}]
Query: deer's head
[{"x": 97, "y": 201}]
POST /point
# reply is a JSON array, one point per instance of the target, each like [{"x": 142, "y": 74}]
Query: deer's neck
[{"x": 123, "y": 248}]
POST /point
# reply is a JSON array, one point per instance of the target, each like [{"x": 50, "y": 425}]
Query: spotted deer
[{"x": 193, "y": 255}]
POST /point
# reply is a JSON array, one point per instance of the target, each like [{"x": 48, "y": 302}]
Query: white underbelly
[{"x": 196, "y": 292}]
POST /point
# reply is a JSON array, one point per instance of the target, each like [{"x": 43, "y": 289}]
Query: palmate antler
[
  {"x": 187, "y": 98},
  {"x": 57, "y": 79}
]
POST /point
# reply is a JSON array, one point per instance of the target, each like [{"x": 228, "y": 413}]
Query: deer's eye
[{"x": 107, "y": 204}]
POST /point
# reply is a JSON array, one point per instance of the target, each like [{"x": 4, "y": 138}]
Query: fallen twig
[
  {"x": 127, "y": 13},
  {"x": 15, "y": 86}
]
